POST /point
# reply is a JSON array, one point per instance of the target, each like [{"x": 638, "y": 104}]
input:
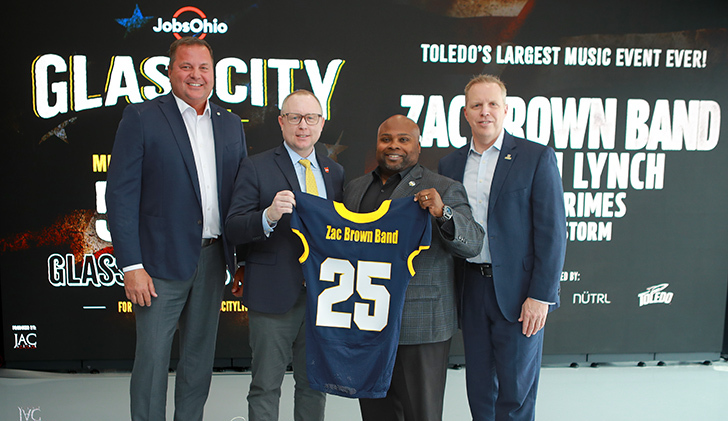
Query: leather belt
[
  {"x": 485, "y": 269},
  {"x": 208, "y": 241}
]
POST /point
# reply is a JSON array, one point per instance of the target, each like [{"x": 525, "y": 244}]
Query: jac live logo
[
  {"x": 190, "y": 20},
  {"x": 29, "y": 413},
  {"x": 25, "y": 337}
]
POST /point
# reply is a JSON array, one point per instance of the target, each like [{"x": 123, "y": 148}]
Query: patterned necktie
[{"x": 311, "y": 187}]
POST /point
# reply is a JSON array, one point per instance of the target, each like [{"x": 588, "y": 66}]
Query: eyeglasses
[{"x": 295, "y": 118}]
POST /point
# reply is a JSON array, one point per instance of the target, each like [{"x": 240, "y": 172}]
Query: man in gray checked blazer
[{"x": 429, "y": 318}]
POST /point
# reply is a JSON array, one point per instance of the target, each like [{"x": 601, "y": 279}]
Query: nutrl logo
[{"x": 199, "y": 26}]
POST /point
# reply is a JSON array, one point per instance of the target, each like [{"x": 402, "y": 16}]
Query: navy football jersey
[{"x": 357, "y": 267}]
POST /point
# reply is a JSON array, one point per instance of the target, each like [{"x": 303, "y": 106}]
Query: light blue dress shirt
[{"x": 477, "y": 179}]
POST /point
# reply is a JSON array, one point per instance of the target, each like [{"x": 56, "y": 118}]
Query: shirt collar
[
  {"x": 402, "y": 174},
  {"x": 295, "y": 157},
  {"x": 498, "y": 144},
  {"x": 183, "y": 106}
]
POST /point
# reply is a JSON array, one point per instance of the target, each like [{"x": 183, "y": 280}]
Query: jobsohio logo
[{"x": 199, "y": 25}]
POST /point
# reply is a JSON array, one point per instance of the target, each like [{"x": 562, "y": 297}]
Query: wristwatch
[{"x": 446, "y": 214}]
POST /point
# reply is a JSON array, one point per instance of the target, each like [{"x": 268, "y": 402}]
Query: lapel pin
[
  {"x": 412, "y": 183},
  {"x": 218, "y": 113},
  {"x": 326, "y": 169},
  {"x": 508, "y": 157}
]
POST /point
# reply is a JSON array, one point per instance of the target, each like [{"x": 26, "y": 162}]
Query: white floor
[{"x": 609, "y": 393}]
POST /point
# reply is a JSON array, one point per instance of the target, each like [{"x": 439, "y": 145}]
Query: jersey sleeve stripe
[
  {"x": 304, "y": 255},
  {"x": 411, "y": 258}
]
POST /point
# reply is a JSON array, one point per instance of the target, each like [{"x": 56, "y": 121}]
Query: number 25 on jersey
[{"x": 349, "y": 280}]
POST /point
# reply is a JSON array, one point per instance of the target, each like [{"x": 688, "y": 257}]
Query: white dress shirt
[{"x": 199, "y": 130}]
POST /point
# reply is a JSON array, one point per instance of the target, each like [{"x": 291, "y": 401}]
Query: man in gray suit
[{"x": 429, "y": 318}]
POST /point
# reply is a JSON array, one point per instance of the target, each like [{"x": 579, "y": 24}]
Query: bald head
[
  {"x": 398, "y": 145},
  {"x": 400, "y": 123}
]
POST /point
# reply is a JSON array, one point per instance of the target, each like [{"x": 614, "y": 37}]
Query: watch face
[{"x": 447, "y": 212}]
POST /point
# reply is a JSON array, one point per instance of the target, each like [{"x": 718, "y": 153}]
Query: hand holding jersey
[
  {"x": 282, "y": 204},
  {"x": 430, "y": 199}
]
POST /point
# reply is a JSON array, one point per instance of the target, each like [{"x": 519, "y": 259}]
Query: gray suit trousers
[
  {"x": 194, "y": 305},
  {"x": 278, "y": 340}
]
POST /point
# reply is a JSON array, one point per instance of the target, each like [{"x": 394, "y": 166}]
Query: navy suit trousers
[{"x": 502, "y": 365}]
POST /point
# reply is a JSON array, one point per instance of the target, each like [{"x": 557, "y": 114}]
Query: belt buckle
[{"x": 486, "y": 270}]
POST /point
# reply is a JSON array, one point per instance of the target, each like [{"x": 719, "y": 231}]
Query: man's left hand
[
  {"x": 430, "y": 199},
  {"x": 533, "y": 316}
]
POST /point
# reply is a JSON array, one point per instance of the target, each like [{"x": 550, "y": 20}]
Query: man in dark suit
[
  {"x": 515, "y": 190},
  {"x": 429, "y": 318},
  {"x": 273, "y": 288},
  {"x": 169, "y": 187}
]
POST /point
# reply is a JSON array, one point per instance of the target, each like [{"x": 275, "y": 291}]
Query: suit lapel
[
  {"x": 170, "y": 110},
  {"x": 283, "y": 160},
  {"x": 326, "y": 174},
  {"x": 458, "y": 170},
  {"x": 409, "y": 184},
  {"x": 218, "y": 133},
  {"x": 506, "y": 158},
  {"x": 355, "y": 192}
]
